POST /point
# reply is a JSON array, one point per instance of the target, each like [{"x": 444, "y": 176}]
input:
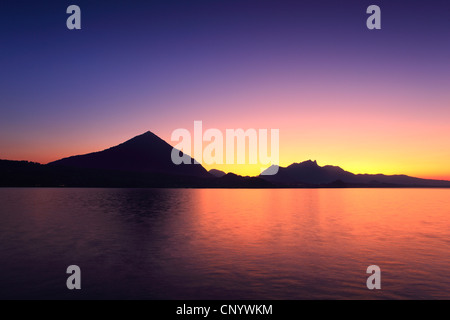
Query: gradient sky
[{"x": 369, "y": 101}]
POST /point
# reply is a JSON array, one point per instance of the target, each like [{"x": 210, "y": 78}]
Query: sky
[{"x": 369, "y": 101}]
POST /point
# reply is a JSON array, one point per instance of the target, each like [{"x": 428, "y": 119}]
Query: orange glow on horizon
[
  {"x": 392, "y": 150},
  {"x": 340, "y": 134}
]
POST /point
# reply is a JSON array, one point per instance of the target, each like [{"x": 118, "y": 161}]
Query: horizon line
[{"x": 437, "y": 178}]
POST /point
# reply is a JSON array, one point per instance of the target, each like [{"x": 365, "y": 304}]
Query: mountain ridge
[
  {"x": 309, "y": 172},
  {"x": 145, "y": 161}
]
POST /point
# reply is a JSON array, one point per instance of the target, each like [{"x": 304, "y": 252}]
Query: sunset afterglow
[{"x": 367, "y": 101}]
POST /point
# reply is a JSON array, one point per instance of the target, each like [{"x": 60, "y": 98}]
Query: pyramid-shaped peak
[
  {"x": 144, "y": 153},
  {"x": 147, "y": 134},
  {"x": 145, "y": 137}
]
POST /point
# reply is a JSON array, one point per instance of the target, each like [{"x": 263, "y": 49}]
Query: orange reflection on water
[{"x": 310, "y": 237}]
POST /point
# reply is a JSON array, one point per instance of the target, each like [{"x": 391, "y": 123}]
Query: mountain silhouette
[
  {"x": 146, "y": 153},
  {"x": 310, "y": 173},
  {"x": 145, "y": 161}
]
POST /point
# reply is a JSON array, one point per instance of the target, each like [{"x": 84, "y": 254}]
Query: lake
[{"x": 224, "y": 243}]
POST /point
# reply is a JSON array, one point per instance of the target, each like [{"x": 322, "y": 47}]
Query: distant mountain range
[
  {"x": 145, "y": 161},
  {"x": 310, "y": 173}
]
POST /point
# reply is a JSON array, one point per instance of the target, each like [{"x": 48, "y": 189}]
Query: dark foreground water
[{"x": 224, "y": 244}]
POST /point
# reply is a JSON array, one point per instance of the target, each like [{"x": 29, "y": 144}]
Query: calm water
[{"x": 225, "y": 244}]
